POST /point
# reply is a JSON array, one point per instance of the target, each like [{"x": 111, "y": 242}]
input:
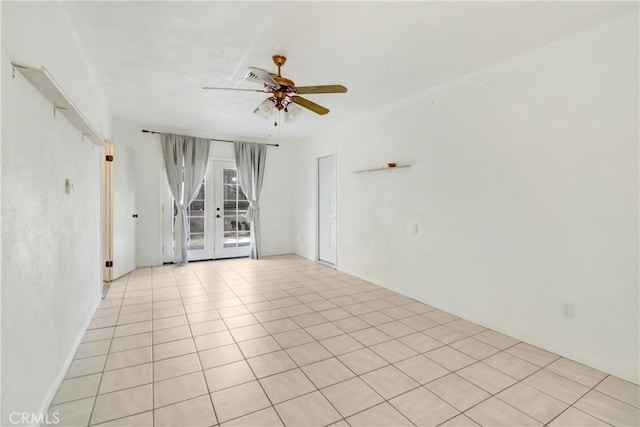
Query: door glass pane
[
  {"x": 243, "y": 224},
  {"x": 230, "y": 239},
  {"x": 230, "y": 176},
  {"x": 244, "y": 238},
  {"x": 196, "y": 225},
  {"x": 196, "y": 241},
  {"x": 195, "y": 213},
  {"x": 230, "y": 192},
  {"x": 230, "y": 224},
  {"x": 197, "y": 205},
  {"x": 236, "y": 227}
]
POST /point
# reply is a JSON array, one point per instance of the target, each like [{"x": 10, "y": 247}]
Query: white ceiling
[{"x": 152, "y": 58}]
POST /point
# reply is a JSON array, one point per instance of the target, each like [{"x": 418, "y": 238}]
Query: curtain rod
[{"x": 210, "y": 139}]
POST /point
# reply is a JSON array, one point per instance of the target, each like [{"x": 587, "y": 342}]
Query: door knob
[
  {"x": 217, "y": 216},
  {"x": 135, "y": 215}
]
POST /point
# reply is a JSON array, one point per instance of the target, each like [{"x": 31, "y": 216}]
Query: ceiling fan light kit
[
  {"x": 265, "y": 109},
  {"x": 285, "y": 96},
  {"x": 292, "y": 112}
]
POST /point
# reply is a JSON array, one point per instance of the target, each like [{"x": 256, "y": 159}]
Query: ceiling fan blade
[
  {"x": 232, "y": 88},
  {"x": 309, "y": 105},
  {"x": 321, "y": 89},
  {"x": 259, "y": 75}
]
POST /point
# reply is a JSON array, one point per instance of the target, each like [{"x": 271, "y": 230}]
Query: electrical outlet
[{"x": 568, "y": 310}]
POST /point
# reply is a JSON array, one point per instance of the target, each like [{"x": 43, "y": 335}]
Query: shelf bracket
[
  {"x": 47, "y": 86},
  {"x": 55, "y": 107},
  {"x": 13, "y": 69}
]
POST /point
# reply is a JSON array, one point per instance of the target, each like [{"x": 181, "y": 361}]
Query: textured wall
[
  {"x": 524, "y": 188},
  {"x": 51, "y": 250}
]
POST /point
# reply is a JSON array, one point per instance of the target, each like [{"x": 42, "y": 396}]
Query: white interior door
[
  {"x": 120, "y": 211},
  {"x": 327, "y": 209},
  {"x": 233, "y": 232}
]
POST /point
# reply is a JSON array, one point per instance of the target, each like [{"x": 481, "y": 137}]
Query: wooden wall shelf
[
  {"x": 386, "y": 168},
  {"x": 42, "y": 80}
]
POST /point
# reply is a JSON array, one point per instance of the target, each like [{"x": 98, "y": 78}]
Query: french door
[
  {"x": 233, "y": 231},
  {"x": 216, "y": 224}
]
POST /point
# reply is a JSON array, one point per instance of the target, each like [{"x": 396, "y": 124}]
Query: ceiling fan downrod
[{"x": 279, "y": 60}]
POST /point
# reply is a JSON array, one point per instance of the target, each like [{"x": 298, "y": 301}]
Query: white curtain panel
[
  {"x": 185, "y": 161},
  {"x": 250, "y": 161}
]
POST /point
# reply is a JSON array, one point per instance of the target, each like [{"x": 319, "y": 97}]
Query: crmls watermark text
[{"x": 31, "y": 418}]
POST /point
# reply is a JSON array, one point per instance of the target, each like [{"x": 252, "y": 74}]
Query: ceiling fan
[{"x": 285, "y": 95}]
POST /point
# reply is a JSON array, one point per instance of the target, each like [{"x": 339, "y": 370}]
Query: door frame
[
  {"x": 107, "y": 211},
  {"x": 317, "y": 210}
]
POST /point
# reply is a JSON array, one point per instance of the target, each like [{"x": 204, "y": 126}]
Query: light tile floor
[{"x": 285, "y": 341}]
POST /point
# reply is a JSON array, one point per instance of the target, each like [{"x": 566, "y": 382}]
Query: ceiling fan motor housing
[{"x": 284, "y": 83}]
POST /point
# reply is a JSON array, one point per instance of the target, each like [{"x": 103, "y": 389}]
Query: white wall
[
  {"x": 276, "y": 201},
  {"x": 51, "y": 252},
  {"x": 276, "y": 210},
  {"x": 524, "y": 186}
]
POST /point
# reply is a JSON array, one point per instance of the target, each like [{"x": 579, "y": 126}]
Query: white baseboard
[
  {"x": 364, "y": 277},
  {"x": 46, "y": 402}
]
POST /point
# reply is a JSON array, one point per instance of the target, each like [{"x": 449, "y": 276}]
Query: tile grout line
[
  {"x": 346, "y": 333},
  {"x": 153, "y": 363},
  {"x": 298, "y": 367},
  {"x": 247, "y": 360},
  {"x": 580, "y": 398},
  {"x": 522, "y": 381},
  {"x": 491, "y": 395},
  {"x": 392, "y": 364},
  {"x": 105, "y": 362},
  {"x": 206, "y": 383},
  {"x": 389, "y": 364},
  {"x": 327, "y": 288}
]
